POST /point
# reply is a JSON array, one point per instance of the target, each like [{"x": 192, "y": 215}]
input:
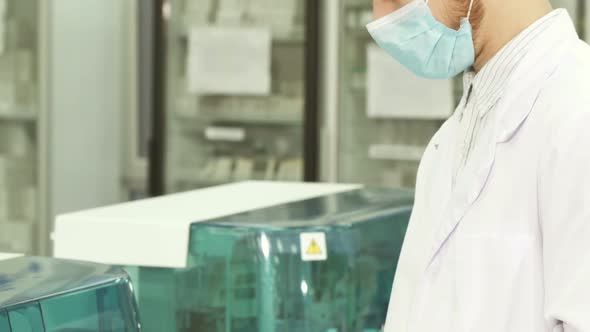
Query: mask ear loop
[
  {"x": 468, "y": 11},
  {"x": 470, "y": 8}
]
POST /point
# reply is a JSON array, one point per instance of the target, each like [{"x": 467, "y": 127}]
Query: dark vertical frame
[
  {"x": 145, "y": 76},
  {"x": 158, "y": 135},
  {"x": 311, "y": 123},
  {"x": 582, "y": 19}
]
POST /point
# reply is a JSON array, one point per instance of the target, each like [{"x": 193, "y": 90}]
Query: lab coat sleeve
[{"x": 564, "y": 216}]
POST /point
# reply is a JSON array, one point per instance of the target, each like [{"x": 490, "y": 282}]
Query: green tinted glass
[
  {"x": 249, "y": 272},
  {"x": 101, "y": 309},
  {"x": 46, "y": 295},
  {"x": 26, "y": 319},
  {"x": 4, "y": 325}
]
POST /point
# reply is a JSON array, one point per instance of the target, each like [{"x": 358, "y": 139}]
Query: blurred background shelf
[
  {"x": 18, "y": 116},
  {"x": 296, "y": 36},
  {"x": 260, "y": 110},
  {"x": 256, "y": 118},
  {"x": 396, "y": 152}
]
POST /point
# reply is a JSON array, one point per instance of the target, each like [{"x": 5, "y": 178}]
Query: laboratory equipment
[
  {"x": 261, "y": 256},
  {"x": 257, "y": 271},
  {"x": 51, "y": 295},
  {"x": 240, "y": 66}
]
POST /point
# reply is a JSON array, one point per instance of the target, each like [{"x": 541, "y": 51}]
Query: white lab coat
[{"x": 507, "y": 247}]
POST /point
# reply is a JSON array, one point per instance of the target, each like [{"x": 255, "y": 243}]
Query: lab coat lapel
[
  {"x": 466, "y": 190},
  {"x": 504, "y": 121}
]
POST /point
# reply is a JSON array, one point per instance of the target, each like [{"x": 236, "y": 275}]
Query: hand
[{"x": 385, "y": 7}]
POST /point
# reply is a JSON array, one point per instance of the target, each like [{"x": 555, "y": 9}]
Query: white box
[
  {"x": 290, "y": 170},
  {"x": 229, "y": 61}
]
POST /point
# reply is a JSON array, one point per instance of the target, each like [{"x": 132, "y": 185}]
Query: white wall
[{"x": 87, "y": 88}]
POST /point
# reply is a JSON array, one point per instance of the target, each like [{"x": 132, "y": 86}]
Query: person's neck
[{"x": 501, "y": 22}]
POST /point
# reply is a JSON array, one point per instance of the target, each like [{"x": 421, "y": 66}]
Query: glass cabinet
[
  {"x": 19, "y": 125},
  {"x": 385, "y": 115},
  {"x": 235, "y": 91}
]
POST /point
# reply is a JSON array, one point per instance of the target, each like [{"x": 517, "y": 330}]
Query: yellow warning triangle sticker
[{"x": 314, "y": 249}]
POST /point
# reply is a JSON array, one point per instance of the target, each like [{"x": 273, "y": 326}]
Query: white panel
[
  {"x": 155, "y": 232},
  {"x": 229, "y": 61},
  {"x": 86, "y": 86}
]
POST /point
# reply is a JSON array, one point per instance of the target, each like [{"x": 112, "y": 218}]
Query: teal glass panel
[
  {"x": 4, "y": 324},
  {"x": 26, "y": 319},
  {"x": 101, "y": 309},
  {"x": 58, "y": 312},
  {"x": 158, "y": 300},
  {"x": 247, "y": 272},
  {"x": 49, "y": 295}
]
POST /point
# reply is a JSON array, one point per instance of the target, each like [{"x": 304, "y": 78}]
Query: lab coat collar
[
  {"x": 521, "y": 92},
  {"x": 490, "y": 82},
  {"x": 526, "y": 83}
]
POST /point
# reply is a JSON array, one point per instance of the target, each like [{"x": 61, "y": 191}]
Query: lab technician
[{"x": 500, "y": 236}]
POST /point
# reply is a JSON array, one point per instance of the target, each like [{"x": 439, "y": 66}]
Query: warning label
[{"x": 313, "y": 247}]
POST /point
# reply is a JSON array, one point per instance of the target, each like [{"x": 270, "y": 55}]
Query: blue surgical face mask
[{"x": 424, "y": 45}]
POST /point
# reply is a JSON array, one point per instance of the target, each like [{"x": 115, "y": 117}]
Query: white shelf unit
[
  {"x": 266, "y": 128},
  {"x": 18, "y": 116}
]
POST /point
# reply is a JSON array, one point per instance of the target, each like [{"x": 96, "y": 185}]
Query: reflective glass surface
[
  {"x": 47, "y": 295},
  {"x": 320, "y": 265}
]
